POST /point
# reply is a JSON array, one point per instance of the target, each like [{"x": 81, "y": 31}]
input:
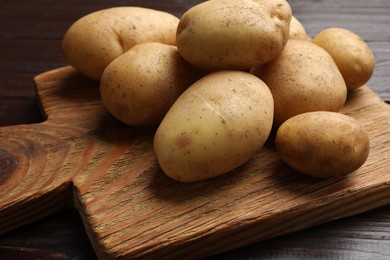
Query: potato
[
  {"x": 225, "y": 34},
  {"x": 323, "y": 144},
  {"x": 216, "y": 125},
  {"x": 96, "y": 39},
  {"x": 297, "y": 31},
  {"x": 140, "y": 86},
  {"x": 303, "y": 78},
  {"x": 352, "y": 55}
]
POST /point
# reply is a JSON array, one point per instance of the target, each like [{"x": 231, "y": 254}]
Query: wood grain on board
[{"x": 82, "y": 157}]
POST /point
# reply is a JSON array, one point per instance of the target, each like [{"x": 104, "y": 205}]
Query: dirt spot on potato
[{"x": 183, "y": 140}]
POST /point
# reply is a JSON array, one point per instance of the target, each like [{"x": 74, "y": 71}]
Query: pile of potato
[{"x": 218, "y": 80}]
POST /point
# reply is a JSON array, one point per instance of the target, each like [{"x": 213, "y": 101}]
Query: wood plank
[
  {"x": 337, "y": 239},
  {"x": 22, "y": 37},
  {"x": 19, "y": 110},
  {"x": 130, "y": 208},
  {"x": 37, "y": 241}
]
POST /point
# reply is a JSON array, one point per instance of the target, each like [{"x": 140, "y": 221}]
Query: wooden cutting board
[{"x": 82, "y": 157}]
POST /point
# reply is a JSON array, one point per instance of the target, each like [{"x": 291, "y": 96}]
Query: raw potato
[
  {"x": 323, "y": 144},
  {"x": 216, "y": 125},
  {"x": 239, "y": 34},
  {"x": 297, "y": 31},
  {"x": 352, "y": 55},
  {"x": 140, "y": 86},
  {"x": 303, "y": 78},
  {"x": 96, "y": 39}
]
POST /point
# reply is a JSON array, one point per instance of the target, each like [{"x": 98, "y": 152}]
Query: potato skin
[
  {"x": 303, "y": 78},
  {"x": 140, "y": 86},
  {"x": 96, "y": 39},
  {"x": 225, "y": 34},
  {"x": 352, "y": 55},
  {"x": 323, "y": 144},
  {"x": 297, "y": 31},
  {"x": 216, "y": 125}
]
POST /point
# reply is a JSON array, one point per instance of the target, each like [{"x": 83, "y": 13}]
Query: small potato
[
  {"x": 323, "y": 144},
  {"x": 139, "y": 87},
  {"x": 303, "y": 78},
  {"x": 297, "y": 31},
  {"x": 352, "y": 55},
  {"x": 93, "y": 41},
  {"x": 216, "y": 125},
  {"x": 239, "y": 34}
]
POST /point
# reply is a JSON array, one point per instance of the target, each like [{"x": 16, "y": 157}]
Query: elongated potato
[
  {"x": 323, "y": 144},
  {"x": 239, "y": 34},
  {"x": 216, "y": 125},
  {"x": 95, "y": 40},
  {"x": 303, "y": 78},
  {"x": 140, "y": 86}
]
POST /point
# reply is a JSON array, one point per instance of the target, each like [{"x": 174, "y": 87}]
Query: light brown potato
[
  {"x": 303, "y": 78},
  {"x": 225, "y": 34},
  {"x": 297, "y": 31},
  {"x": 352, "y": 55},
  {"x": 323, "y": 144},
  {"x": 216, "y": 125},
  {"x": 139, "y": 87},
  {"x": 96, "y": 39}
]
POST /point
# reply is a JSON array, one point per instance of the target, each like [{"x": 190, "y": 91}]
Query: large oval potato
[
  {"x": 352, "y": 55},
  {"x": 139, "y": 87},
  {"x": 225, "y": 34},
  {"x": 216, "y": 125},
  {"x": 303, "y": 78},
  {"x": 95, "y": 40},
  {"x": 323, "y": 144}
]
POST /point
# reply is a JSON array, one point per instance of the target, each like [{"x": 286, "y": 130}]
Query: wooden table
[{"x": 30, "y": 36}]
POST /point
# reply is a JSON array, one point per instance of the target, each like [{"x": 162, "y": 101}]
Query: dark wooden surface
[{"x": 30, "y": 36}]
